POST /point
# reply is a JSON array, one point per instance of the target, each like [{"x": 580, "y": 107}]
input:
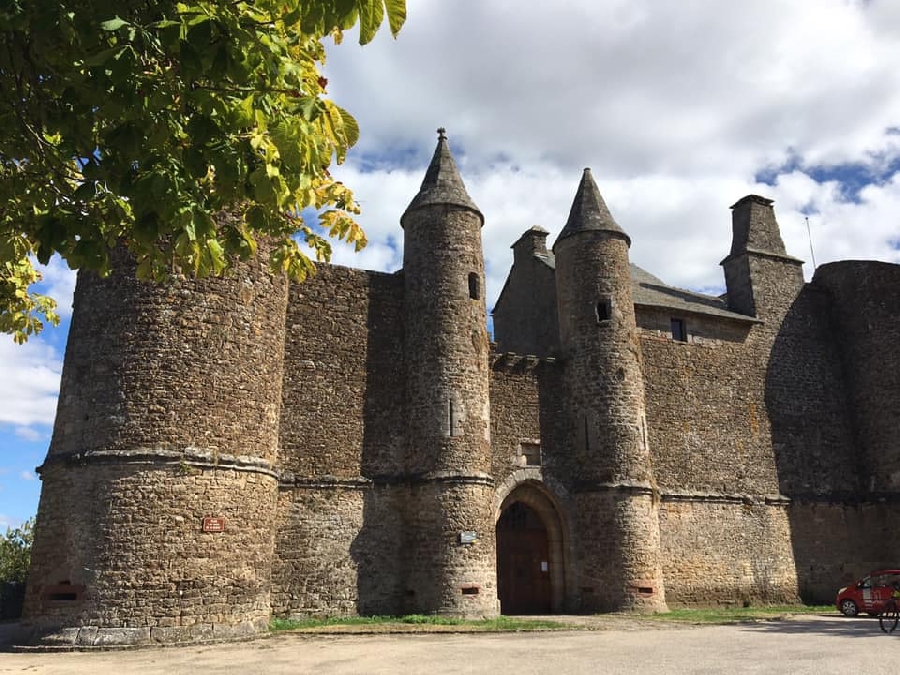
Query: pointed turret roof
[
  {"x": 442, "y": 183},
  {"x": 589, "y": 212}
]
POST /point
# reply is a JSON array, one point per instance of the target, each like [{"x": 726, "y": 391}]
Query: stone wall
[
  {"x": 517, "y": 413},
  {"x": 343, "y": 387},
  {"x": 864, "y": 298},
  {"x": 339, "y": 550},
  {"x": 443, "y": 574},
  {"x": 806, "y": 399},
  {"x": 706, "y": 416},
  {"x": 838, "y": 542},
  {"x": 164, "y": 367},
  {"x": 339, "y": 532},
  {"x": 616, "y": 539},
  {"x": 726, "y": 551},
  {"x": 120, "y": 555},
  {"x": 168, "y": 411}
]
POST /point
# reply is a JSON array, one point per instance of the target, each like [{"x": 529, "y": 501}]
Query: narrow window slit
[{"x": 474, "y": 286}]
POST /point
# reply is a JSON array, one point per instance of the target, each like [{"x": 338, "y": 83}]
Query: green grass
[
  {"x": 718, "y": 615},
  {"x": 500, "y": 624},
  {"x": 733, "y": 614}
]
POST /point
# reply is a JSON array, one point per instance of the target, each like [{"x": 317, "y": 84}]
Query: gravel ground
[{"x": 818, "y": 645}]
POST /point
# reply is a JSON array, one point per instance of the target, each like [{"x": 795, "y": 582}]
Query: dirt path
[{"x": 803, "y": 645}]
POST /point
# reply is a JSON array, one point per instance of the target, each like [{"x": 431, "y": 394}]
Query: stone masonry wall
[
  {"x": 837, "y": 543},
  {"x": 163, "y": 367},
  {"x": 122, "y": 558},
  {"x": 466, "y": 571},
  {"x": 517, "y": 413},
  {"x": 807, "y": 403},
  {"x": 339, "y": 533},
  {"x": 617, "y": 537},
  {"x": 338, "y": 550},
  {"x": 343, "y": 388},
  {"x": 864, "y": 298},
  {"x": 706, "y": 417},
  {"x": 726, "y": 552},
  {"x": 168, "y": 411}
]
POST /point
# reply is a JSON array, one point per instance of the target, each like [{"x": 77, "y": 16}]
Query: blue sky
[{"x": 680, "y": 109}]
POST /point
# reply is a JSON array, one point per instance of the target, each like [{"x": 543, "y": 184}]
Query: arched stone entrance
[{"x": 530, "y": 560}]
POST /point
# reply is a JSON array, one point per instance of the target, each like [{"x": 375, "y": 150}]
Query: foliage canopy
[
  {"x": 15, "y": 553},
  {"x": 142, "y": 121}
]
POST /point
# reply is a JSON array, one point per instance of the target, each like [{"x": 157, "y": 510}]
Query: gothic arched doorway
[{"x": 530, "y": 570}]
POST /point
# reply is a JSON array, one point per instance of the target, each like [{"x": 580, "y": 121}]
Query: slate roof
[
  {"x": 650, "y": 291},
  {"x": 589, "y": 212},
  {"x": 442, "y": 183}
]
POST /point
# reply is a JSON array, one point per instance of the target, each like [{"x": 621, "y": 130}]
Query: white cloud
[
  {"x": 677, "y": 108},
  {"x": 27, "y": 475},
  {"x": 30, "y": 374},
  {"x": 59, "y": 283},
  {"x": 31, "y": 434}
]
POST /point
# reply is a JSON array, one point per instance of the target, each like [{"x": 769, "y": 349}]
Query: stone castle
[{"x": 230, "y": 450}]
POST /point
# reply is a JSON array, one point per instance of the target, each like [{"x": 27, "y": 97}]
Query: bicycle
[{"x": 889, "y": 616}]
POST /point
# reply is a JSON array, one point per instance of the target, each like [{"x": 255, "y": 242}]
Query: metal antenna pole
[{"x": 809, "y": 234}]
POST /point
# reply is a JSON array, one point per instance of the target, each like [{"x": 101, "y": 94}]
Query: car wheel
[{"x": 849, "y": 608}]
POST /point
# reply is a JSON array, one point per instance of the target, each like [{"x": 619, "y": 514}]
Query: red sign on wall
[{"x": 213, "y": 524}]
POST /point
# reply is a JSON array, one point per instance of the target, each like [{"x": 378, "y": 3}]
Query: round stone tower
[
  {"x": 450, "y": 532},
  {"x": 159, "y": 489},
  {"x": 617, "y": 516}
]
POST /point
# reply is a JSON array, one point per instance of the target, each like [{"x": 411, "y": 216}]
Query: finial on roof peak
[{"x": 442, "y": 133}]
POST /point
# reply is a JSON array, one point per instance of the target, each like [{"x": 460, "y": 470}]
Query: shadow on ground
[{"x": 862, "y": 626}]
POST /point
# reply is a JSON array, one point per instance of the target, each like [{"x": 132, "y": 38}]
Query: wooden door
[{"x": 523, "y": 562}]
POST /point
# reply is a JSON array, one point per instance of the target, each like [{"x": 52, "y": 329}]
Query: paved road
[{"x": 806, "y": 645}]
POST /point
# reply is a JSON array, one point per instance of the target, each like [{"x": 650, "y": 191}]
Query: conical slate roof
[
  {"x": 589, "y": 212},
  {"x": 442, "y": 183}
]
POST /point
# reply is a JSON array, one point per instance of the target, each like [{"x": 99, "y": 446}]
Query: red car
[{"x": 868, "y": 594}]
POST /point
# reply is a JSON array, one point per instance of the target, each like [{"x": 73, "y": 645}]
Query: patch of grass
[
  {"x": 733, "y": 614},
  {"x": 499, "y": 624},
  {"x": 436, "y": 623}
]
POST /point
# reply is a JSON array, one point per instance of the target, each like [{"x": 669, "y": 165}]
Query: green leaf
[
  {"x": 136, "y": 121},
  {"x": 113, "y": 24},
  {"x": 396, "y": 12},
  {"x": 216, "y": 255},
  {"x": 351, "y": 127},
  {"x": 371, "y": 14}
]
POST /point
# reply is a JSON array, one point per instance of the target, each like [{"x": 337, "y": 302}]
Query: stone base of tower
[
  {"x": 451, "y": 549},
  {"x": 136, "y": 551},
  {"x": 620, "y": 567}
]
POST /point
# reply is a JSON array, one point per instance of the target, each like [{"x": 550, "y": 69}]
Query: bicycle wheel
[{"x": 889, "y": 618}]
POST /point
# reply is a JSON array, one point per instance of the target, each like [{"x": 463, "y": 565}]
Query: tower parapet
[
  {"x": 159, "y": 489},
  {"x": 601, "y": 352},
  {"x": 446, "y": 348}
]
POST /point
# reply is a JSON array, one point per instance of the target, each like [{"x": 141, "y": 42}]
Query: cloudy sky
[{"x": 679, "y": 108}]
